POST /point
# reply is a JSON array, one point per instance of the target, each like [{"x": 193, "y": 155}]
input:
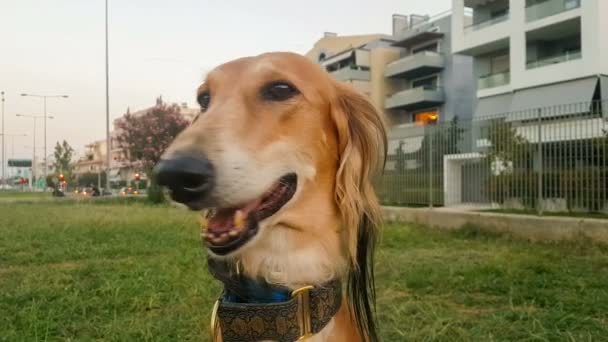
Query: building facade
[
  {"x": 533, "y": 53},
  {"x": 412, "y": 76}
]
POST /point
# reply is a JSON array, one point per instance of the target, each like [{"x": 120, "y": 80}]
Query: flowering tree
[{"x": 145, "y": 137}]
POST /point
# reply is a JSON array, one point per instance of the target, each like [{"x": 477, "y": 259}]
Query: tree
[
  {"x": 145, "y": 137},
  {"x": 508, "y": 149},
  {"x": 63, "y": 160},
  {"x": 441, "y": 139}
]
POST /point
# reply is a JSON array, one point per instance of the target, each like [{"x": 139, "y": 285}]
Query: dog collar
[{"x": 249, "y": 310}]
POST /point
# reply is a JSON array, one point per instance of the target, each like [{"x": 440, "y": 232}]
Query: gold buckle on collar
[
  {"x": 215, "y": 323},
  {"x": 304, "y": 320}
]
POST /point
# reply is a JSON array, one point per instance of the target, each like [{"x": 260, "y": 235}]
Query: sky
[{"x": 56, "y": 47}]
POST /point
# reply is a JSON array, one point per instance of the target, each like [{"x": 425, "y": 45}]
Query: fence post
[
  {"x": 431, "y": 168},
  {"x": 539, "y": 148}
]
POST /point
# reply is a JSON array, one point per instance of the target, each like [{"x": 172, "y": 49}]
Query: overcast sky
[{"x": 156, "y": 48}]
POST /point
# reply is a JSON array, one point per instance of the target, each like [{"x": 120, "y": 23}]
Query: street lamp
[
  {"x": 108, "y": 140},
  {"x": 35, "y": 117},
  {"x": 3, "y": 162},
  {"x": 44, "y": 97}
]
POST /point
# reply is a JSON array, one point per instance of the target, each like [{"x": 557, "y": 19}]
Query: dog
[{"x": 283, "y": 158}]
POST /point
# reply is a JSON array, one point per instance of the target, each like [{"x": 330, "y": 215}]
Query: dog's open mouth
[{"x": 230, "y": 228}]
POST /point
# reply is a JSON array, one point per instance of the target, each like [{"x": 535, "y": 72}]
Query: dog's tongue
[{"x": 228, "y": 219}]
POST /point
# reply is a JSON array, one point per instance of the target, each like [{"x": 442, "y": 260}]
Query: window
[
  {"x": 499, "y": 64},
  {"x": 426, "y": 117},
  {"x": 571, "y": 4}
]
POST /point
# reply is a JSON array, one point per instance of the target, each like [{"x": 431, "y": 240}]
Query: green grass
[
  {"x": 23, "y": 195},
  {"x": 137, "y": 272},
  {"x": 594, "y": 215}
]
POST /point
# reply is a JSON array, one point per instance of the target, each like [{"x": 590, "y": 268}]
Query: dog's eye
[
  {"x": 203, "y": 100},
  {"x": 279, "y": 91}
]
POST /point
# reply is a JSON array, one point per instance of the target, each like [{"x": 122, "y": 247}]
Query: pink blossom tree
[{"x": 145, "y": 137}]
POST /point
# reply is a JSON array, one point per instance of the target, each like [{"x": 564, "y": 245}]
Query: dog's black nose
[{"x": 189, "y": 177}]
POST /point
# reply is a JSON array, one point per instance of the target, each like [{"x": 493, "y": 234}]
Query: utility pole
[
  {"x": 108, "y": 139},
  {"x": 44, "y": 97},
  {"x": 3, "y": 161}
]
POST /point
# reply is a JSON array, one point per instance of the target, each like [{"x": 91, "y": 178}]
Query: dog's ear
[{"x": 362, "y": 145}]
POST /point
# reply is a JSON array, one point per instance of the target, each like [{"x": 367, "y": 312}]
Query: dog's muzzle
[{"x": 190, "y": 177}]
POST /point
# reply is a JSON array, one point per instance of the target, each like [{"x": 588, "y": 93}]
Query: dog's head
[{"x": 283, "y": 156}]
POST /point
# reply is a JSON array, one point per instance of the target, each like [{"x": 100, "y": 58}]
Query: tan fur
[{"x": 329, "y": 135}]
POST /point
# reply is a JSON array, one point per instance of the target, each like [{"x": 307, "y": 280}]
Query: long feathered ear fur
[{"x": 362, "y": 144}]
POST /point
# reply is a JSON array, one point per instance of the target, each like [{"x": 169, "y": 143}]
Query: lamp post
[
  {"x": 3, "y": 162},
  {"x": 35, "y": 117},
  {"x": 44, "y": 97},
  {"x": 108, "y": 140}
]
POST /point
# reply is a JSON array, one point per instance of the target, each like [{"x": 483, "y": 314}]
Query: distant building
[
  {"x": 93, "y": 159},
  {"x": 534, "y": 53},
  {"x": 412, "y": 75}
]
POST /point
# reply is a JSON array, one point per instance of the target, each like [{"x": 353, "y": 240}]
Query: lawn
[
  {"x": 14, "y": 195},
  {"x": 134, "y": 272}
]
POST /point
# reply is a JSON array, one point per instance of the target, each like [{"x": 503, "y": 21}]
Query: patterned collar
[{"x": 251, "y": 310}]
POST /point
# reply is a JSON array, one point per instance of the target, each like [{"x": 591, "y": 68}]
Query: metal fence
[{"x": 542, "y": 159}]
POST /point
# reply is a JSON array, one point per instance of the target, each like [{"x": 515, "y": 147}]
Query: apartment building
[
  {"x": 534, "y": 53},
  {"x": 430, "y": 83},
  {"x": 93, "y": 159},
  {"x": 411, "y": 75},
  {"x": 358, "y": 60}
]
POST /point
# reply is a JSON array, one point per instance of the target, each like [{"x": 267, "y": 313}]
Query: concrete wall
[
  {"x": 534, "y": 228},
  {"x": 380, "y": 85},
  {"x": 460, "y": 87}
]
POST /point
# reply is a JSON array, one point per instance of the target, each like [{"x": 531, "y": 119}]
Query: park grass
[
  {"x": 5, "y": 194},
  {"x": 135, "y": 272}
]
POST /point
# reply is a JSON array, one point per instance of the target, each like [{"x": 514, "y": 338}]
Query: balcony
[
  {"x": 494, "y": 80},
  {"x": 417, "y": 35},
  {"x": 549, "y": 8},
  {"x": 569, "y": 56},
  {"x": 486, "y": 23},
  {"x": 415, "y": 98},
  {"x": 352, "y": 73},
  {"x": 417, "y": 65}
]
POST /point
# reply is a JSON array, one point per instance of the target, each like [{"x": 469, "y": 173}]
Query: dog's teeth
[
  {"x": 221, "y": 239},
  {"x": 233, "y": 233},
  {"x": 239, "y": 220}
]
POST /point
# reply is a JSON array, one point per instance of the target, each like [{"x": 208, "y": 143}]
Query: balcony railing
[
  {"x": 549, "y": 8},
  {"x": 352, "y": 72},
  {"x": 569, "y": 56},
  {"x": 421, "y": 96},
  {"x": 408, "y": 65},
  {"x": 494, "y": 80},
  {"x": 486, "y": 23}
]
